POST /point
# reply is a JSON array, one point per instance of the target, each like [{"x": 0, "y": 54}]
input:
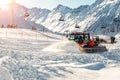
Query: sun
[{"x": 4, "y": 3}]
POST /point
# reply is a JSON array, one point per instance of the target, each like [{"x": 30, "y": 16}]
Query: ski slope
[
  {"x": 27, "y": 34},
  {"x": 36, "y": 55}
]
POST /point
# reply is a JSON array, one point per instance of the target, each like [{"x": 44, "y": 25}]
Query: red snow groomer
[{"x": 86, "y": 44}]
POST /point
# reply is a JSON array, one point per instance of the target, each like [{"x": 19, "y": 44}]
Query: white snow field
[{"x": 35, "y": 55}]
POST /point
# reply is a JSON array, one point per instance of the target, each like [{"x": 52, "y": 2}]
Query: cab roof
[{"x": 78, "y": 33}]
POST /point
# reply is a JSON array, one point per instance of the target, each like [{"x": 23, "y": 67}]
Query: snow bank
[
  {"x": 104, "y": 37},
  {"x": 19, "y": 70},
  {"x": 64, "y": 46},
  {"x": 110, "y": 74},
  {"x": 4, "y": 74},
  {"x": 95, "y": 66},
  {"x": 22, "y": 59}
]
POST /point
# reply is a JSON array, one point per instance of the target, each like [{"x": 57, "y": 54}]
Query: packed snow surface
[{"x": 35, "y": 55}]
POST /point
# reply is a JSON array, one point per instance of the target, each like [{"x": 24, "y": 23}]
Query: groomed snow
[
  {"x": 4, "y": 74},
  {"x": 49, "y": 56}
]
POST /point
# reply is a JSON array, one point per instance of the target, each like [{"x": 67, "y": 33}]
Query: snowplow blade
[{"x": 94, "y": 49}]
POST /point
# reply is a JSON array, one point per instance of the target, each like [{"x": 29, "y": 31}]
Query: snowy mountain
[
  {"x": 102, "y": 17},
  {"x": 79, "y": 9},
  {"x": 62, "y": 9},
  {"x": 51, "y": 21},
  {"x": 51, "y": 18},
  {"x": 95, "y": 17}
]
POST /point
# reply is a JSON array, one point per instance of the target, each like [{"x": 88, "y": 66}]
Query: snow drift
[
  {"x": 63, "y": 47},
  {"x": 24, "y": 59}
]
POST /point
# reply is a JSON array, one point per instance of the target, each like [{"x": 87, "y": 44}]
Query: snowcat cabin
[
  {"x": 72, "y": 36},
  {"x": 79, "y": 37},
  {"x": 82, "y": 37},
  {"x": 85, "y": 44}
]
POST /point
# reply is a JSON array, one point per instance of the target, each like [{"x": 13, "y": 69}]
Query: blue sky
[{"x": 50, "y": 4}]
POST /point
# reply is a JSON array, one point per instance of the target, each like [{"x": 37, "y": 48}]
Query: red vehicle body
[{"x": 85, "y": 43}]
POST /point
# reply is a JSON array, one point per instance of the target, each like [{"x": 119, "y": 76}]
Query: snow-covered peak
[
  {"x": 98, "y": 1},
  {"x": 98, "y": 18},
  {"x": 35, "y": 9},
  {"x": 61, "y": 8},
  {"x": 95, "y": 17},
  {"x": 79, "y": 9}
]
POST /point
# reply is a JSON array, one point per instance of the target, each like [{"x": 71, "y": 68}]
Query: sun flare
[{"x": 4, "y": 4}]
